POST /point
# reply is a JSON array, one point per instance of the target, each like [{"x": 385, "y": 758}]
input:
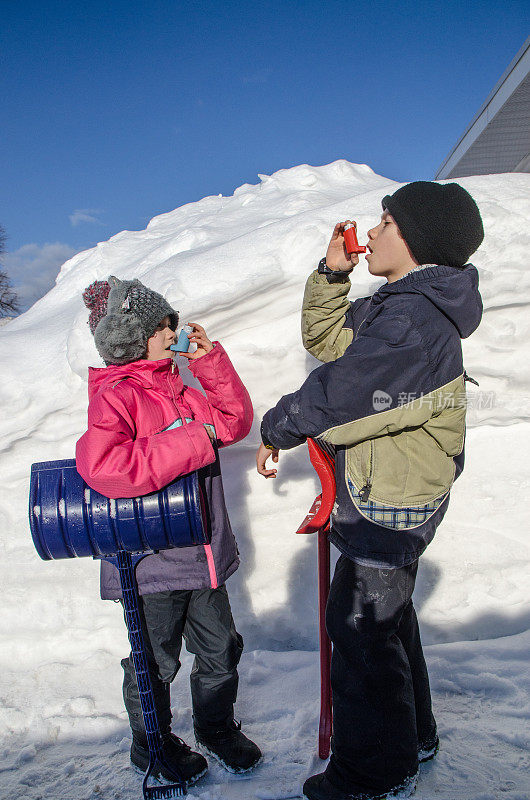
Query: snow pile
[{"x": 238, "y": 265}]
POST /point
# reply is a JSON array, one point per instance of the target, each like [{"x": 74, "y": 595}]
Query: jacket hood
[
  {"x": 454, "y": 291},
  {"x": 147, "y": 373}
]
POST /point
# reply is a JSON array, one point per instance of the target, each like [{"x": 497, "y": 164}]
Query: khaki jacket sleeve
[{"x": 324, "y": 312}]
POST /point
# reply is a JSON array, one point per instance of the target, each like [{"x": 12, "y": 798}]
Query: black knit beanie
[{"x": 440, "y": 223}]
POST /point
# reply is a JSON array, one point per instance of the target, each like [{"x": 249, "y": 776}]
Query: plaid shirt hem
[{"x": 390, "y": 516}]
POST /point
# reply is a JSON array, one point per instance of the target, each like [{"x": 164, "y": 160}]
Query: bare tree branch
[{"x": 9, "y": 302}]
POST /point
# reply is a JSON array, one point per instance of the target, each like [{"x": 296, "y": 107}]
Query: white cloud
[
  {"x": 89, "y": 215},
  {"x": 33, "y": 269}
]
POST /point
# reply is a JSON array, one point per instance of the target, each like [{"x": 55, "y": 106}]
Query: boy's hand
[
  {"x": 337, "y": 257},
  {"x": 198, "y": 336},
  {"x": 262, "y": 456}
]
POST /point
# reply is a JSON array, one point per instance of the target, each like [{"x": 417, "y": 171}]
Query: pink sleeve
[
  {"x": 116, "y": 464},
  {"x": 229, "y": 401}
]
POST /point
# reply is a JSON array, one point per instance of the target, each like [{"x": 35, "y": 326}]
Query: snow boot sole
[
  {"x": 428, "y": 753},
  {"x": 323, "y": 790},
  {"x": 202, "y": 748},
  {"x": 191, "y": 766},
  {"x": 157, "y": 776}
]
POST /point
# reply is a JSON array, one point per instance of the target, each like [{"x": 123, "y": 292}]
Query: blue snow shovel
[{"x": 68, "y": 519}]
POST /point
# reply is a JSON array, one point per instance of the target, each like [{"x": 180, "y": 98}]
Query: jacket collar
[
  {"x": 415, "y": 276},
  {"x": 149, "y": 374},
  {"x": 453, "y": 291}
]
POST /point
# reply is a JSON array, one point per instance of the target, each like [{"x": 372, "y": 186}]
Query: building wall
[{"x": 498, "y": 138}]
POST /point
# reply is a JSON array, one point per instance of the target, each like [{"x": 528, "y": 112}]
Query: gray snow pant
[{"x": 204, "y": 618}]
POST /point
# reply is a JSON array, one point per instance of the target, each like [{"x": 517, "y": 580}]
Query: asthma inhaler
[
  {"x": 350, "y": 239},
  {"x": 182, "y": 344}
]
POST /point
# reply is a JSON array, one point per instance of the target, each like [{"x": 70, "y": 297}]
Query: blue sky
[{"x": 113, "y": 112}]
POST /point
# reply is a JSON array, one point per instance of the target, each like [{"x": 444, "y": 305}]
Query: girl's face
[
  {"x": 389, "y": 254},
  {"x": 159, "y": 343}
]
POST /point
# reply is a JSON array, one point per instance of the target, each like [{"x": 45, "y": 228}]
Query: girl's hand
[
  {"x": 337, "y": 256},
  {"x": 262, "y": 456},
  {"x": 198, "y": 336},
  {"x": 210, "y": 430}
]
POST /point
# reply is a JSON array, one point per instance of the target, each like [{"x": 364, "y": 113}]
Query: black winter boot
[
  {"x": 231, "y": 748},
  {"x": 188, "y": 764},
  {"x": 428, "y": 749},
  {"x": 318, "y": 787}
]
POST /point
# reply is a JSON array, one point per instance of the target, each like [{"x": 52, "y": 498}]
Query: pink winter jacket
[{"x": 127, "y": 452}]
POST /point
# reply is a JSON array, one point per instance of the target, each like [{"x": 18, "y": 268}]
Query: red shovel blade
[{"x": 311, "y": 522}]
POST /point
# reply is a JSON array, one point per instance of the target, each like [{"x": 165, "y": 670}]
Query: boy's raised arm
[
  {"x": 325, "y": 315},
  {"x": 327, "y": 321}
]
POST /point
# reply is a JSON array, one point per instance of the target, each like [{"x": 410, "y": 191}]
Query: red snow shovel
[{"x": 317, "y": 520}]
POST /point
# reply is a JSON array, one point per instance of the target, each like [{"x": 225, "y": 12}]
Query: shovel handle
[
  {"x": 326, "y": 712},
  {"x": 317, "y": 521}
]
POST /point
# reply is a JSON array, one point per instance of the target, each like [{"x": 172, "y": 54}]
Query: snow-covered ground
[{"x": 238, "y": 265}]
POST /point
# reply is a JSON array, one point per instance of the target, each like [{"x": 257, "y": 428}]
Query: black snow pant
[
  {"x": 204, "y": 618},
  {"x": 381, "y": 697}
]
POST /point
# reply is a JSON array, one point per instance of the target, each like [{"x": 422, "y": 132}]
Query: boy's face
[
  {"x": 159, "y": 343},
  {"x": 389, "y": 254}
]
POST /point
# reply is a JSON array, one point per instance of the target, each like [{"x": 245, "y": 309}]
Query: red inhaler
[{"x": 350, "y": 239}]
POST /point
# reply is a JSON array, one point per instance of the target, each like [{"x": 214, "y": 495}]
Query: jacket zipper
[
  {"x": 364, "y": 493},
  {"x": 210, "y": 560},
  {"x": 469, "y": 378},
  {"x": 359, "y": 328},
  {"x": 171, "y": 389}
]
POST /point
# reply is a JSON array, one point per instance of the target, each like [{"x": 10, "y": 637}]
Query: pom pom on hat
[{"x": 95, "y": 297}]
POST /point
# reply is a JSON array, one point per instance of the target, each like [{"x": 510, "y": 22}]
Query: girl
[{"x": 145, "y": 428}]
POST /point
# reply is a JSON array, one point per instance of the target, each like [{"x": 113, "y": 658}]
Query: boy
[
  {"x": 145, "y": 428},
  {"x": 391, "y": 400}
]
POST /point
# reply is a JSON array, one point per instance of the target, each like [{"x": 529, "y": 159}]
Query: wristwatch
[
  {"x": 265, "y": 441},
  {"x": 333, "y": 275}
]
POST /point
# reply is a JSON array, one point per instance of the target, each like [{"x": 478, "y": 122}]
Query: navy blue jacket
[{"x": 395, "y": 462}]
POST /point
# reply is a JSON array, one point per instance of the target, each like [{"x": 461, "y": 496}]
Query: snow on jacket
[
  {"x": 127, "y": 452},
  {"x": 391, "y": 400}
]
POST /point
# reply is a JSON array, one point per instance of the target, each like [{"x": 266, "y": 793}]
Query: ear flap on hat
[{"x": 120, "y": 338}]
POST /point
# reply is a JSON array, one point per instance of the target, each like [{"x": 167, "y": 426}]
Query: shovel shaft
[
  {"x": 132, "y": 617},
  {"x": 124, "y": 562},
  {"x": 326, "y": 714},
  {"x": 322, "y": 457}
]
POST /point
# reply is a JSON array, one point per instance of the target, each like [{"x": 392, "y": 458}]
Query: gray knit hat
[{"x": 133, "y": 315}]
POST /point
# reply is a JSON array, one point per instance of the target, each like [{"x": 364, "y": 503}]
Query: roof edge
[{"x": 502, "y": 80}]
